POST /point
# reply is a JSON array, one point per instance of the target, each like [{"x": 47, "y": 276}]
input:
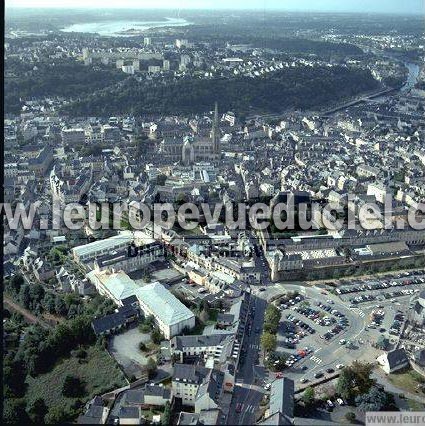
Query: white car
[
  {"x": 340, "y": 401},
  {"x": 268, "y": 386},
  {"x": 339, "y": 366},
  {"x": 330, "y": 403}
]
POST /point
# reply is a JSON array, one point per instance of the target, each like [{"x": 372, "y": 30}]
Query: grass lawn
[
  {"x": 99, "y": 372},
  {"x": 148, "y": 414},
  {"x": 407, "y": 380},
  {"x": 415, "y": 405}
]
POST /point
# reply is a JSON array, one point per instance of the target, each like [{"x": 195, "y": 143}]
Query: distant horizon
[
  {"x": 380, "y": 7},
  {"x": 301, "y": 11}
]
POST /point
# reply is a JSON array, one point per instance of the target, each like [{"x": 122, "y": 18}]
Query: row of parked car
[
  {"x": 330, "y": 405},
  {"x": 321, "y": 374},
  {"x": 330, "y": 309},
  {"x": 383, "y": 296},
  {"x": 305, "y": 328},
  {"x": 336, "y": 329},
  {"x": 379, "y": 285},
  {"x": 316, "y": 316},
  {"x": 294, "y": 358},
  {"x": 287, "y": 303}
]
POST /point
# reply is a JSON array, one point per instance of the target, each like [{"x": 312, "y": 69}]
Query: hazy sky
[{"x": 384, "y": 6}]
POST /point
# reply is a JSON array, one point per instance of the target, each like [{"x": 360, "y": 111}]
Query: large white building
[
  {"x": 171, "y": 316},
  {"x": 102, "y": 247},
  {"x": 114, "y": 285}
]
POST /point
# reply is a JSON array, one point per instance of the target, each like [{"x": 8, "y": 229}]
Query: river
[
  {"x": 412, "y": 76},
  {"x": 123, "y": 28}
]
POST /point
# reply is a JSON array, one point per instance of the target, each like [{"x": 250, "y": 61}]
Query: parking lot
[
  {"x": 312, "y": 325},
  {"x": 387, "y": 288},
  {"x": 321, "y": 329}
]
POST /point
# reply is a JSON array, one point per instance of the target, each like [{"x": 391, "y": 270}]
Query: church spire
[{"x": 215, "y": 132}]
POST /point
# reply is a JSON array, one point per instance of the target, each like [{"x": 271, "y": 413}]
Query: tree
[
  {"x": 156, "y": 336},
  {"x": 37, "y": 294},
  {"x": 268, "y": 342},
  {"x": 37, "y": 411},
  {"x": 281, "y": 359},
  {"x": 354, "y": 380},
  {"x": 151, "y": 367},
  {"x": 80, "y": 353},
  {"x": 57, "y": 415},
  {"x": 14, "y": 411},
  {"x": 362, "y": 378},
  {"x": 60, "y": 306},
  {"x": 308, "y": 396},
  {"x": 16, "y": 282},
  {"x": 271, "y": 319},
  {"x": 350, "y": 416},
  {"x": 24, "y": 296},
  {"x": 142, "y": 346},
  {"x": 144, "y": 328},
  {"x": 166, "y": 417},
  {"x": 49, "y": 303},
  {"x": 344, "y": 386},
  {"x": 204, "y": 316},
  {"x": 72, "y": 387},
  {"x": 72, "y": 311},
  {"x": 14, "y": 377},
  {"x": 375, "y": 400}
]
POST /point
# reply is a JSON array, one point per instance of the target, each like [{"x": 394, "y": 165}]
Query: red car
[{"x": 238, "y": 407}]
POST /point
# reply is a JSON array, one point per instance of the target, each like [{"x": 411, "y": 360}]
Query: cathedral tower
[{"x": 215, "y": 133}]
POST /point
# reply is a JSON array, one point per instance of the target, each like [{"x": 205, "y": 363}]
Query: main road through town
[{"x": 250, "y": 376}]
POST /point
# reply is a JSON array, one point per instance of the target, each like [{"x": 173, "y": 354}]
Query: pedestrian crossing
[
  {"x": 359, "y": 312},
  {"x": 250, "y": 408},
  {"x": 316, "y": 359}
]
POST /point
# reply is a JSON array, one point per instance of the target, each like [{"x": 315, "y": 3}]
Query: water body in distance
[
  {"x": 412, "y": 77},
  {"x": 123, "y": 28}
]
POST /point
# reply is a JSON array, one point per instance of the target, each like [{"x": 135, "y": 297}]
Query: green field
[
  {"x": 98, "y": 371},
  {"x": 407, "y": 380},
  {"x": 415, "y": 405}
]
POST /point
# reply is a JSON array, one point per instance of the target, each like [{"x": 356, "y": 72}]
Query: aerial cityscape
[{"x": 214, "y": 213}]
